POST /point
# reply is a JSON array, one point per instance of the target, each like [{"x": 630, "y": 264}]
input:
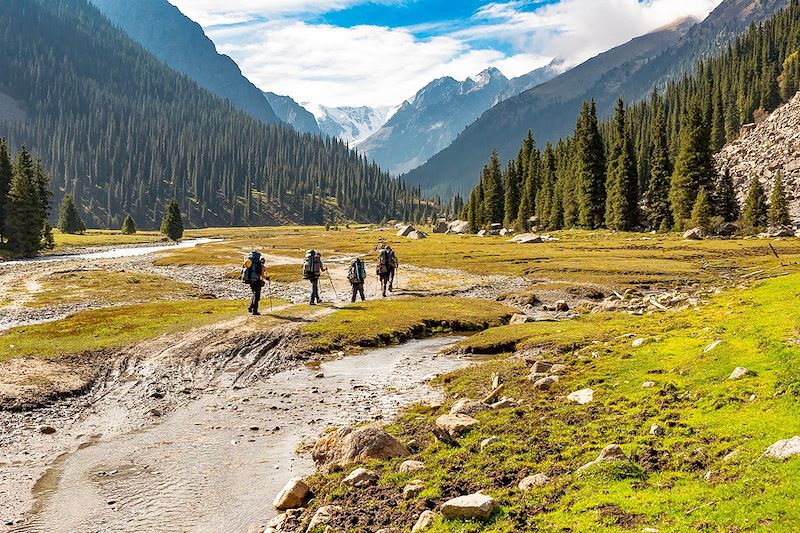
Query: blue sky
[{"x": 380, "y": 52}]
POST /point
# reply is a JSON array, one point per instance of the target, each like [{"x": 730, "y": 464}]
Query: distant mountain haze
[
  {"x": 352, "y": 124},
  {"x": 293, "y": 113},
  {"x": 181, "y": 43}
]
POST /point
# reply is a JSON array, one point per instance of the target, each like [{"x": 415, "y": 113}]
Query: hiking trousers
[
  {"x": 255, "y": 286},
  {"x": 391, "y": 279},
  {"x": 385, "y": 283},
  {"x": 358, "y": 288},
  {"x": 315, "y": 291}
]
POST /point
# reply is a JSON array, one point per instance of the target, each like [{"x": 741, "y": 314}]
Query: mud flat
[{"x": 216, "y": 463}]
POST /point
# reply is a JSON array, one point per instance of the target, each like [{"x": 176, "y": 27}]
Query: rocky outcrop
[
  {"x": 784, "y": 449},
  {"x": 766, "y": 149},
  {"x": 291, "y": 495},
  {"x": 352, "y": 445},
  {"x": 470, "y": 507}
]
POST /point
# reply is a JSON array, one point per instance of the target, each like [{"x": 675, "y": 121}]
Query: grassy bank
[{"x": 685, "y": 480}]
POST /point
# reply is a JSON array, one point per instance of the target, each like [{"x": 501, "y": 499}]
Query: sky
[{"x": 381, "y": 52}]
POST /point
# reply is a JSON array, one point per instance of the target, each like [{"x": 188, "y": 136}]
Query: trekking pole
[{"x": 332, "y": 285}]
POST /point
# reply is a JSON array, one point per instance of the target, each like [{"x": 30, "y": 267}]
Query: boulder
[
  {"x": 470, "y": 507},
  {"x": 455, "y": 425},
  {"x": 483, "y": 233},
  {"x": 527, "y": 238},
  {"x": 531, "y": 482},
  {"x": 352, "y": 445},
  {"x": 656, "y": 430},
  {"x": 541, "y": 367},
  {"x": 360, "y": 478},
  {"x": 485, "y": 443},
  {"x": 291, "y": 495},
  {"x": 581, "y": 397},
  {"x": 405, "y": 231},
  {"x": 558, "y": 369},
  {"x": 784, "y": 449},
  {"x": 288, "y": 521},
  {"x": 545, "y": 383},
  {"x": 609, "y": 453},
  {"x": 411, "y": 466},
  {"x": 417, "y": 235},
  {"x": 648, "y": 384},
  {"x": 712, "y": 346},
  {"x": 441, "y": 227},
  {"x": 694, "y": 234},
  {"x": 519, "y": 318},
  {"x": 412, "y": 489},
  {"x": 727, "y": 229},
  {"x": 466, "y": 406},
  {"x": 506, "y": 232},
  {"x": 424, "y": 522},
  {"x": 459, "y": 227},
  {"x": 562, "y": 306},
  {"x": 780, "y": 231},
  {"x": 638, "y": 342},
  {"x": 323, "y": 516},
  {"x": 739, "y": 372}
]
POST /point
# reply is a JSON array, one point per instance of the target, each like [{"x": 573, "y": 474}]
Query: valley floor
[{"x": 110, "y": 357}]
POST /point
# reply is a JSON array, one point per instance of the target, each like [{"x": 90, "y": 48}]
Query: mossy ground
[
  {"x": 96, "y": 237},
  {"x": 706, "y": 416}
]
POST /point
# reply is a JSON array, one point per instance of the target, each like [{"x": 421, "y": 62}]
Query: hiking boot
[{"x": 256, "y": 313}]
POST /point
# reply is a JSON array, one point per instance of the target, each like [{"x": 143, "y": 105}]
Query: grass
[
  {"x": 381, "y": 322},
  {"x": 706, "y": 416},
  {"x": 113, "y": 327},
  {"x": 95, "y": 237}
]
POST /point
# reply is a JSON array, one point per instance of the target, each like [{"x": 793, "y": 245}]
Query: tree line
[{"x": 651, "y": 165}]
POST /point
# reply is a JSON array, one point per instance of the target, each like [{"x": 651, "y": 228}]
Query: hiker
[
  {"x": 383, "y": 268},
  {"x": 254, "y": 272},
  {"x": 392, "y": 266},
  {"x": 356, "y": 275},
  {"x": 312, "y": 270}
]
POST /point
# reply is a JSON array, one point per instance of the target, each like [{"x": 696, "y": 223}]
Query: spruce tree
[
  {"x": 754, "y": 214},
  {"x": 622, "y": 185},
  {"x": 778, "y": 214},
  {"x": 726, "y": 204},
  {"x": 6, "y": 172},
  {"x": 591, "y": 169},
  {"x": 702, "y": 212},
  {"x": 24, "y": 221},
  {"x": 494, "y": 197},
  {"x": 172, "y": 223},
  {"x": 694, "y": 165},
  {"x": 771, "y": 93},
  {"x": 69, "y": 219},
  {"x": 128, "y": 226},
  {"x": 659, "y": 211},
  {"x": 790, "y": 80},
  {"x": 513, "y": 190}
]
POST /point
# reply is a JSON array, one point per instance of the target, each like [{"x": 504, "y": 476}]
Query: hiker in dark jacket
[
  {"x": 254, "y": 272},
  {"x": 312, "y": 270},
  {"x": 356, "y": 275},
  {"x": 392, "y": 266},
  {"x": 383, "y": 269}
]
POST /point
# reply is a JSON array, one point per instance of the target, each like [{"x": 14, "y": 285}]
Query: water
[
  {"x": 217, "y": 464},
  {"x": 114, "y": 253}
]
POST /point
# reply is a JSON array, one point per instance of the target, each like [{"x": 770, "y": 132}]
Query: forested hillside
[
  {"x": 652, "y": 164},
  {"x": 122, "y": 133}
]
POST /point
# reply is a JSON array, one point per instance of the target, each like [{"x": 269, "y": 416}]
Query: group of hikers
[{"x": 254, "y": 274}]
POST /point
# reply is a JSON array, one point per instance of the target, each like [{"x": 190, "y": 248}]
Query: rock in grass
[
  {"x": 541, "y": 367},
  {"x": 562, "y": 306},
  {"x": 353, "y": 445},
  {"x": 656, "y": 430},
  {"x": 360, "y": 478},
  {"x": 411, "y": 466},
  {"x": 610, "y": 453},
  {"x": 291, "y": 495},
  {"x": 424, "y": 522},
  {"x": 648, "y": 384},
  {"x": 694, "y": 234},
  {"x": 470, "y": 507},
  {"x": 469, "y": 407},
  {"x": 323, "y": 516},
  {"x": 456, "y": 425},
  {"x": 519, "y": 318},
  {"x": 531, "y": 482},
  {"x": 485, "y": 443},
  {"x": 412, "y": 489},
  {"x": 505, "y": 403},
  {"x": 559, "y": 369},
  {"x": 711, "y": 346},
  {"x": 739, "y": 372},
  {"x": 545, "y": 383},
  {"x": 784, "y": 449},
  {"x": 581, "y": 397},
  {"x": 288, "y": 521},
  {"x": 638, "y": 342}
]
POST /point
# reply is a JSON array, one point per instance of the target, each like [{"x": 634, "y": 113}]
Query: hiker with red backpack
[
  {"x": 312, "y": 271},
  {"x": 254, "y": 274}
]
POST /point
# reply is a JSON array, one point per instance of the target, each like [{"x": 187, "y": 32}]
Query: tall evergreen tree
[
  {"x": 6, "y": 172},
  {"x": 754, "y": 214},
  {"x": 172, "y": 223},
  {"x": 69, "y": 219},
  {"x": 493, "y": 199},
  {"x": 24, "y": 216},
  {"x": 591, "y": 169},
  {"x": 659, "y": 211},
  {"x": 622, "y": 184},
  {"x": 513, "y": 192},
  {"x": 778, "y": 214},
  {"x": 702, "y": 212},
  {"x": 128, "y": 226},
  {"x": 790, "y": 80},
  {"x": 726, "y": 205}
]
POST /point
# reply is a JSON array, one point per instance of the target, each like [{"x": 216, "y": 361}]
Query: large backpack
[
  {"x": 251, "y": 270},
  {"x": 356, "y": 273},
  {"x": 311, "y": 265},
  {"x": 383, "y": 261}
]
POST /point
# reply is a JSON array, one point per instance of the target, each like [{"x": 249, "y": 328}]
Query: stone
[
  {"x": 739, "y": 372},
  {"x": 638, "y": 342},
  {"x": 562, "y": 306},
  {"x": 541, "y": 367},
  {"x": 611, "y": 452},
  {"x": 581, "y": 397},
  {"x": 648, "y": 384},
  {"x": 424, "y": 522},
  {"x": 711, "y": 346},
  {"x": 784, "y": 449},
  {"x": 694, "y": 234},
  {"x": 531, "y": 482},
  {"x": 323, "y": 516},
  {"x": 389, "y": 530},
  {"x": 559, "y": 369},
  {"x": 710, "y": 475},
  {"x": 360, "y": 478},
  {"x": 412, "y": 489},
  {"x": 656, "y": 430},
  {"x": 466, "y": 406},
  {"x": 485, "y": 443},
  {"x": 411, "y": 466},
  {"x": 519, "y": 318},
  {"x": 417, "y": 235},
  {"x": 527, "y": 238},
  {"x": 459, "y": 227},
  {"x": 483, "y": 233},
  {"x": 441, "y": 227},
  {"x": 354, "y": 445},
  {"x": 291, "y": 495},
  {"x": 456, "y": 425},
  {"x": 288, "y": 521},
  {"x": 780, "y": 231},
  {"x": 47, "y": 430},
  {"x": 405, "y": 231},
  {"x": 470, "y": 507},
  {"x": 731, "y": 456},
  {"x": 505, "y": 403},
  {"x": 545, "y": 383}
]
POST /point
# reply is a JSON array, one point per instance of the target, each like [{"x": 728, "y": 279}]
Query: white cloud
[{"x": 217, "y": 12}]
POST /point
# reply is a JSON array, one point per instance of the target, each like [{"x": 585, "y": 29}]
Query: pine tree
[
  {"x": 513, "y": 190},
  {"x": 591, "y": 169},
  {"x": 493, "y": 198},
  {"x": 6, "y": 172},
  {"x": 778, "y": 214},
  {"x": 69, "y": 219},
  {"x": 622, "y": 185},
  {"x": 725, "y": 203},
  {"x": 790, "y": 80},
  {"x": 128, "y": 226},
  {"x": 702, "y": 212},
  {"x": 172, "y": 223},
  {"x": 694, "y": 166},
  {"x": 754, "y": 214},
  {"x": 24, "y": 221},
  {"x": 771, "y": 93},
  {"x": 659, "y": 211}
]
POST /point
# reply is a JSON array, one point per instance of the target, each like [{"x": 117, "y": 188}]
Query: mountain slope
[
  {"x": 181, "y": 43},
  {"x": 350, "y": 124},
  {"x": 630, "y": 70},
  {"x": 124, "y": 133},
  {"x": 428, "y": 122},
  {"x": 293, "y": 113}
]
